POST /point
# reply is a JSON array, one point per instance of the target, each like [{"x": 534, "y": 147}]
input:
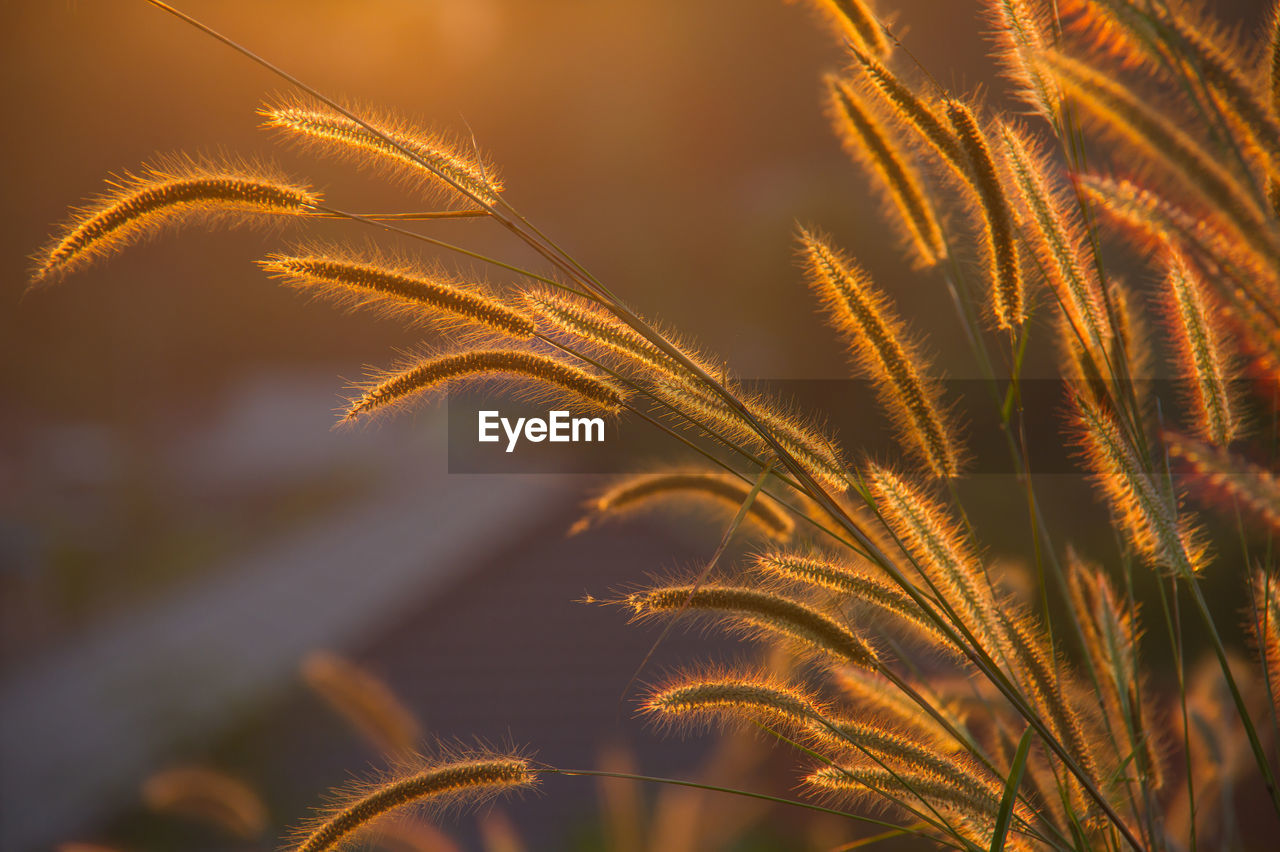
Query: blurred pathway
[{"x": 81, "y": 726}]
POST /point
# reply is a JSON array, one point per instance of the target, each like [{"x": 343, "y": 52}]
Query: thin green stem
[{"x": 714, "y": 788}]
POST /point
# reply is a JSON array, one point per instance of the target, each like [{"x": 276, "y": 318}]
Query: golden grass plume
[
  {"x": 762, "y": 612},
  {"x": 676, "y": 488},
  {"x": 1264, "y": 624},
  {"x": 209, "y": 796},
  {"x": 1022, "y": 32},
  {"x": 1057, "y": 239},
  {"x": 941, "y": 551},
  {"x": 1227, "y": 479},
  {"x": 365, "y": 701},
  {"x": 1140, "y": 507},
  {"x": 728, "y": 696},
  {"x": 1203, "y": 360},
  {"x": 398, "y": 386},
  {"x": 862, "y": 584},
  {"x": 1123, "y": 112},
  {"x": 166, "y": 193},
  {"x": 880, "y": 346},
  {"x": 326, "y": 130},
  {"x": 1000, "y": 246},
  {"x": 1111, "y": 631},
  {"x": 915, "y": 111},
  {"x": 466, "y": 779},
  {"x": 870, "y": 143},
  {"x": 362, "y": 280},
  {"x": 856, "y": 22}
]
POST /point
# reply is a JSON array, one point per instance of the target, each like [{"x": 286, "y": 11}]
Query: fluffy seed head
[
  {"x": 914, "y": 111},
  {"x": 819, "y": 455},
  {"x": 872, "y": 696},
  {"x": 398, "y": 386},
  {"x": 168, "y": 193},
  {"x": 1110, "y": 627},
  {"x": 1124, "y": 113},
  {"x": 882, "y": 350},
  {"x": 862, "y": 584},
  {"x": 681, "y": 389},
  {"x": 364, "y": 701},
  {"x": 856, "y": 22},
  {"x": 942, "y": 552},
  {"x": 903, "y": 752},
  {"x": 593, "y": 324},
  {"x": 678, "y": 487},
  {"x": 1000, "y": 244},
  {"x": 1021, "y": 33},
  {"x": 714, "y": 696},
  {"x": 867, "y": 141},
  {"x": 395, "y": 289},
  {"x": 431, "y": 784},
  {"x": 971, "y": 814},
  {"x": 1203, "y": 359},
  {"x": 1234, "y": 481},
  {"x": 1264, "y": 623},
  {"x": 1057, "y": 238},
  {"x": 1245, "y": 277},
  {"x": 416, "y": 154},
  {"x": 1205, "y": 53},
  {"x": 764, "y": 612},
  {"x": 208, "y": 796},
  {"x": 1137, "y": 502}
]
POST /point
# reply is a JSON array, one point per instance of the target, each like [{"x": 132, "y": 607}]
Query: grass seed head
[
  {"x": 168, "y": 193},
  {"x": 396, "y": 289},
  {"x": 399, "y": 386},
  {"x": 424, "y": 158}
]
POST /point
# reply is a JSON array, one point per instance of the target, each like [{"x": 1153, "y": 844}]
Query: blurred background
[{"x": 178, "y": 523}]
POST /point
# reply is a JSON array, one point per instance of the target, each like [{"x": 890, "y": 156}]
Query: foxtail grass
[
  {"x": 1264, "y": 623},
  {"x": 869, "y": 142},
  {"x": 412, "y": 153},
  {"x": 167, "y": 193},
  {"x": 761, "y": 612},
  {"x": 1147, "y": 514},
  {"x": 1022, "y": 33},
  {"x": 881, "y": 348},
  {"x": 395, "y": 289},
  {"x": 398, "y": 386},
  {"x": 365, "y": 702},
  {"x": 1000, "y": 245},
  {"x": 208, "y": 796},
  {"x": 680, "y": 487},
  {"x": 1160, "y": 141},
  {"x": 1203, "y": 358},
  {"x": 1199, "y": 50},
  {"x": 941, "y": 552},
  {"x": 1057, "y": 239},
  {"x": 433, "y": 783},
  {"x": 855, "y": 21},
  {"x": 712, "y": 697},
  {"x": 959, "y": 809},
  {"x": 861, "y": 584},
  {"x": 1227, "y": 480},
  {"x": 1110, "y": 631},
  {"x": 915, "y": 111}
]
